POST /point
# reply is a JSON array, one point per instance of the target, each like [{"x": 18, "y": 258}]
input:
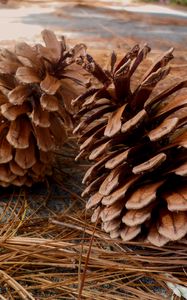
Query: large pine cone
[
  {"x": 138, "y": 143},
  {"x": 37, "y": 85}
]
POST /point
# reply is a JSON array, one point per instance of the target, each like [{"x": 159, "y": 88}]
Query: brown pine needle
[
  {"x": 86, "y": 263},
  {"x": 2, "y": 298},
  {"x": 25, "y": 295}
]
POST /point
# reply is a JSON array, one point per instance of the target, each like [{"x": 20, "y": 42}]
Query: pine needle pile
[
  {"x": 138, "y": 145},
  {"x": 37, "y": 85},
  {"x": 60, "y": 255}
]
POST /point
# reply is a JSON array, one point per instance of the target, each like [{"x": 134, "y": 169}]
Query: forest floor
[{"x": 47, "y": 254}]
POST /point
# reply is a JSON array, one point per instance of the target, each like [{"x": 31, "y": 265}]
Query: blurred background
[{"x": 101, "y": 24}]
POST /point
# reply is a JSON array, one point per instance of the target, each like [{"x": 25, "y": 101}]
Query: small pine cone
[
  {"x": 138, "y": 145},
  {"x": 37, "y": 85}
]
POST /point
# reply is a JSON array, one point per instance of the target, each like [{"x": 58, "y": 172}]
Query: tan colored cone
[
  {"x": 35, "y": 106},
  {"x": 139, "y": 147}
]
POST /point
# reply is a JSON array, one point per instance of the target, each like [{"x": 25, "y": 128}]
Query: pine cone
[
  {"x": 37, "y": 85},
  {"x": 138, "y": 143}
]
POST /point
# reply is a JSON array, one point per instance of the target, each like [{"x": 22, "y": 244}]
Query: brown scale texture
[
  {"x": 37, "y": 85},
  {"x": 138, "y": 144}
]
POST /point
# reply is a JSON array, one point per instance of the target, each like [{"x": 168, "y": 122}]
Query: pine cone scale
[
  {"x": 18, "y": 95},
  {"x": 19, "y": 133},
  {"x": 27, "y": 75},
  {"x": 49, "y": 102},
  {"x": 5, "y": 151},
  {"x": 50, "y": 85}
]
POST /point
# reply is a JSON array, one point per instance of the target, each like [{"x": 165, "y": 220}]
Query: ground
[{"x": 46, "y": 250}]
